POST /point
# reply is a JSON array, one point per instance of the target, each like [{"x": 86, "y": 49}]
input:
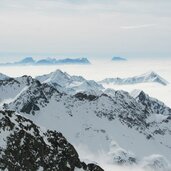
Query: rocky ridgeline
[{"x": 25, "y": 147}]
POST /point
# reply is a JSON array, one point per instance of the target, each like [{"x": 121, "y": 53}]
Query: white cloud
[
  {"x": 95, "y": 28},
  {"x": 138, "y": 26}
]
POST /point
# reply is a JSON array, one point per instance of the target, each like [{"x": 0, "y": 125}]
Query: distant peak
[
  {"x": 117, "y": 58},
  {"x": 28, "y": 58},
  {"x": 49, "y": 61},
  {"x": 84, "y": 59},
  {"x": 151, "y": 73},
  {"x": 155, "y": 77},
  {"x": 149, "y": 77},
  {"x": 58, "y": 71},
  {"x": 58, "y": 76}
]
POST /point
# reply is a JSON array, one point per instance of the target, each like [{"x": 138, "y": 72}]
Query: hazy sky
[{"x": 90, "y": 28}]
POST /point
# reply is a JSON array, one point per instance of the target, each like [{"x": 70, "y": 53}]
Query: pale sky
[{"x": 85, "y": 28}]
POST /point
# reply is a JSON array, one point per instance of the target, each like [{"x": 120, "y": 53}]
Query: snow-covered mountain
[
  {"x": 3, "y": 77},
  {"x": 150, "y": 103},
  {"x": 26, "y": 146},
  {"x": 114, "y": 122},
  {"x": 101, "y": 119},
  {"x": 26, "y": 61},
  {"x": 149, "y": 77},
  {"x": 70, "y": 84},
  {"x": 12, "y": 87}
]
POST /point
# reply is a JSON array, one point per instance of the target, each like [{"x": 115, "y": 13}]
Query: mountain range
[
  {"x": 48, "y": 61},
  {"x": 131, "y": 129},
  {"x": 70, "y": 84},
  {"x": 149, "y": 77}
]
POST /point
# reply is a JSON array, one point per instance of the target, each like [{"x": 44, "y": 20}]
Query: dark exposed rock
[
  {"x": 82, "y": 96},
  {"x": 152, "y": 105},
  {"x": 93, "y": 167},
  {"x": 28, "y": 148},
  {"x": 9, "y": 81},
  {"x": 35, "y": 96}
]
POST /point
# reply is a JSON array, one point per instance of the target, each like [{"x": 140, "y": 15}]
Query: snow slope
[
  {"x": 120, "y": 123},
  {"x": 103, "y": 119},
  {"x": 26, "y": 146},
  {"x": 12, "y": 87}
]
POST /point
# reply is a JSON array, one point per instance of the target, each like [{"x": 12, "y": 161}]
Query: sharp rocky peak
[
  {"x": 152, "y": 104},
  {"x": 154, "y": 77}
]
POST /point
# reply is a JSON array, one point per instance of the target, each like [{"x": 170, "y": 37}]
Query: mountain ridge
[
  {"x": 48, "y": 61},
  {"x": 144, "y": 78},
  {"x": 70, "y": 84},
  {"x": 25, "y": 146}
]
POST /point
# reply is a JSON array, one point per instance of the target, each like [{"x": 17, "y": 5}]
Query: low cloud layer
[{"x": 150, "y": 163}]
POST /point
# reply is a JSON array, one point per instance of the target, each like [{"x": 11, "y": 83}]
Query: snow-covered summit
[
  {"x": 55, "y": 77},
  {"x": 149, "y": 77},
  {"x": 150, "y": 103},
  {"x": 154, "y": 77},
  {"x": 69, "y": 84}
]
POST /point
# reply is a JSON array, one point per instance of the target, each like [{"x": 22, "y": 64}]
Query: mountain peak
[
  {"x": 136, "y": 93},
  {"x": 154, "y": 77},
  {"x": 117, "y": 58},
  {"x": 3, "y": 76},
  {"x": 58, "y": 71},
  {"x": 57, "y": 76},
  {"x": 156, "y": 106},
  {"x": 150, "y": 73},
  {"x": 27, "y": 60},
  {"x": 70, "y": 84}
]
